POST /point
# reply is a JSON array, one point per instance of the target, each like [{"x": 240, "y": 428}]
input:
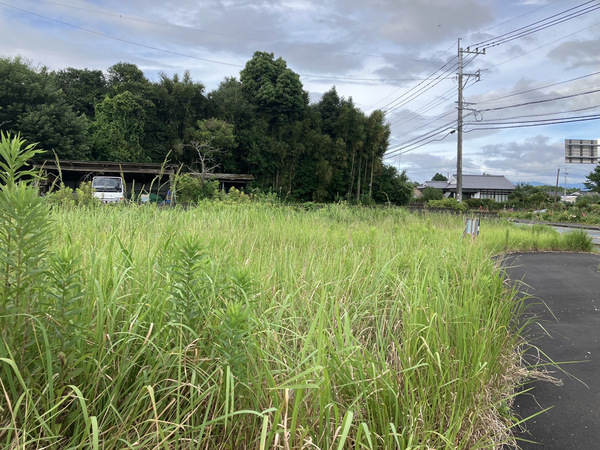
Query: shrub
[
  {"x": 84, "y": 195},
  {"x": 193, "y": 189},
  {"x": 63, "y": 197},
  {"x": 431, "y": 193},
  {"x": 449, "y": 203}
]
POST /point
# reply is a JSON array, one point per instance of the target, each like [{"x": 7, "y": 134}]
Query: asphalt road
[
  {"x": 565, "y": 308},
  {"x": 592, "y": 231}
]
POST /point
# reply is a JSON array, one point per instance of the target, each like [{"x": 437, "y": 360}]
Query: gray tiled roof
[
  {"x": 495, "y": 182},
  {"x": 435, "y": 184},
  {"x": 474, "y": 182}
]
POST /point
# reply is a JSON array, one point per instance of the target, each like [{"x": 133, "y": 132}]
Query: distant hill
[{"x": 580, "y": 186}]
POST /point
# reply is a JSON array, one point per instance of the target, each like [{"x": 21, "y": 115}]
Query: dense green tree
[
  {"x": 119, "y": 129},
  {"x": 56, "y": 125},
  {"x": 229, "y": 103},
  {"x": 351, "y": 135},
  {"x": 439, "y": 177},
  {"x": 211, "y": 145},
  {"x": 83, "y": 88},
  {"x": 277, "y": 97},
  {"x": 376, "y": 143},
  {"x": 521, "y": 194},
  {"x": 329, "y": 109},
  {"x": 431, "y": 193},
  {"x": 273, "y": 88},
  {"x": 32, "y": 105},
  {"x": 392, "y": 187},
  {"x": 180, "y": 103},
  {"x": 124, "y": 76},
  {"x": 593, "y": 180}
]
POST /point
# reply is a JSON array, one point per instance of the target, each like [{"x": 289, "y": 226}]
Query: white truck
[{"x": 109, "y": 189}]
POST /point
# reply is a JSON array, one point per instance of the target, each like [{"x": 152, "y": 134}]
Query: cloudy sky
[{"x": 541, "y": 65}]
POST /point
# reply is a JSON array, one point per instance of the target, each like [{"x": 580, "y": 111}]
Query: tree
[
  {"x": 128, "y": 77},
  {"x": 376, "y": 143},
  {"x": 83, "y": 88},
  {"x": 593, "y": 180},
  {"x": 212, "y": 138},
  {"x": 521, "y": 194},
  {"x": 58, "y": 128},
  {"x": 180, "y": 103},
  {"x": 431, "y": 193},
  {"x": 278, "y": 100},
  {"x": 392, "y": 187},
  {"x": 274, "y": 88},
  {"x": 329, "y": 108},
  {"x": 33, "y": 106},
  {"x": 119, "y": 128},
  {"x": 439, "y": 177}
]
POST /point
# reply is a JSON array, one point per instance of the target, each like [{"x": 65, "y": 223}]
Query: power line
[
  {"x": 217, "y": 33},
  {"x": 419, "y": 90},
  {"x": 525, "y": 116},
  {"x": 120, "y": 39},
  {"x": 540, "y": 88},
  {"x": 531, "y": 123},
  {"x": 196, "y": 57},
  {"x": 536, "y": 102},
  {"x": 389, "y": 95},
  {"x": 541, "y": 46},
  {"x": 539, "y": 25},
  {"x": 510, "y": 20}
]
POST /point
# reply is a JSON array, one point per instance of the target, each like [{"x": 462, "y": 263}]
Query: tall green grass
[{"x": 254, "y": 326}]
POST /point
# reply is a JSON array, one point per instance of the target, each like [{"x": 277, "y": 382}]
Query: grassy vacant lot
[{"x": 257, "y": 326}]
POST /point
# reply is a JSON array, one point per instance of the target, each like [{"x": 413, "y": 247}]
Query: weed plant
[{"x": 250, "y": 325}]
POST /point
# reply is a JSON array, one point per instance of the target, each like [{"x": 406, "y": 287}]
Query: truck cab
[{"x": 109, "y": 189}]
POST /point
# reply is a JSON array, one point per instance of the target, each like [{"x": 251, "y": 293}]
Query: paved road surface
[
  {"x": 567, "y": 303},
  {"x": 592, "y": 230}
]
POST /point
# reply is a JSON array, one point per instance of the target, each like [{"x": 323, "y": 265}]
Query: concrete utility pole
[{"x": 461, "y": 107}]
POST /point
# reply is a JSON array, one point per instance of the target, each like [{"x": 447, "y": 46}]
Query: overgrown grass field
[{"x": 232, "y": 326}]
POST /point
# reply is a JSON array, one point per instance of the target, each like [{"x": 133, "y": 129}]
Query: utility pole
[
  {"x": 556, "y": 189},
  {"x": 461, "y": 107}
]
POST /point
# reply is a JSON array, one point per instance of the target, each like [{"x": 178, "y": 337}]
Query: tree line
[{"x": 261, "y": 123}]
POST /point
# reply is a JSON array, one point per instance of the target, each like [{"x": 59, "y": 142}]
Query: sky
[{"x": 531, "y": 68}]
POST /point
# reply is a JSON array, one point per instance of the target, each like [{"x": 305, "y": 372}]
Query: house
[{"x": 495, "y": 187}]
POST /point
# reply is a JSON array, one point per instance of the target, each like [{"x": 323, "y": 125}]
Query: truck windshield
[{"x": 107, "y": 184}]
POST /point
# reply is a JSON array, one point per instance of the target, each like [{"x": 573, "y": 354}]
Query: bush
[
  {"x": 65, "y": 197},
  {"x": 449, "y": 203},
  {"x": 193, "y": 189},
  {"x": 431, "y": 193},
  {"x": 586, "y": 201}
]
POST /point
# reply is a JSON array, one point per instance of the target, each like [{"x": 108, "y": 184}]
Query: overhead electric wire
[
  {"x": 538, "y": 25},
  {"x": 127, "y": 41},
  {"x": 431, "y": 79},
  {"x": 414, "y": 147},
  {"x": 535, "y": 102},
  {"x": 120, "y": 39},
  {"x": 426, "y": 108},
  {"x": 422, "y": 90},
  {"x": 392, "y": 93},
  {"x": 539, "y": 88},
  {"x": 405, "y": 147},
  {"x": 526, "y": 116},
  {"x": 511, "y": 19},
  {"x": 217, "y": 33},
  {"x": 534, "y": 123}
]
